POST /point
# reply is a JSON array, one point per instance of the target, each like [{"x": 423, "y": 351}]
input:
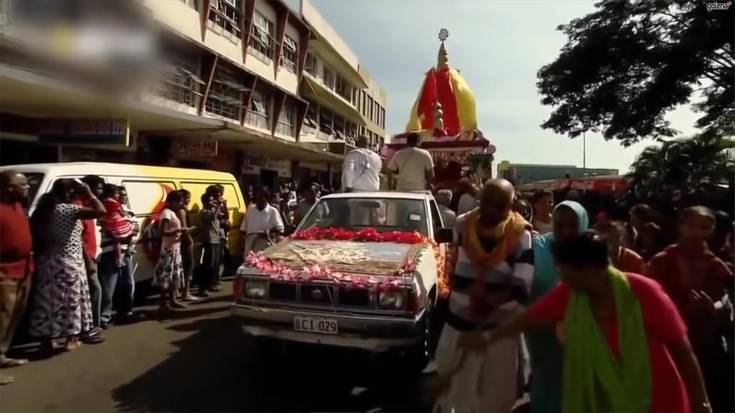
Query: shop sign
[
  {"x": 197, "y": 149},
  {"x": 253, "y": 164},
  {"x": 85, "y": 132}
]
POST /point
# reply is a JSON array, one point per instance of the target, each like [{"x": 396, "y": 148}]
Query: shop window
[
  {"x": 257, "y": 114},
  {"x": 226, "y": 15},
  {"x": 225, "y": 96},
  {"x": 286, "y": 120},
  {"x": 288, "y": 54},
  {"x": 147, "y": 197},
  {"x": 261, "y": 38}
]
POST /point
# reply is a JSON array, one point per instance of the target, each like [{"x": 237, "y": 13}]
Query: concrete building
[
  {"x": 519, "y": 173},
  {"x": 344, "y": 101},
  {"x": 228, "y": 93}
]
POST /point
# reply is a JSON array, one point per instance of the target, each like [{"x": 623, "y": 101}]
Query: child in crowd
[{"x": 116, "y": 221}]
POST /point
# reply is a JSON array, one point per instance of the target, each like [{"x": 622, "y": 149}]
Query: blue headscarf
[
  {"x": 546, "y": 352},
  {"x": 546, "y": 275}
]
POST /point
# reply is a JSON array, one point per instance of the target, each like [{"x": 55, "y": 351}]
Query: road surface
[{"x": 202, "y": 362}]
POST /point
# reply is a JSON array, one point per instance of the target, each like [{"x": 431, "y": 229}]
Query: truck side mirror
[{"x": 443, "y": 235}]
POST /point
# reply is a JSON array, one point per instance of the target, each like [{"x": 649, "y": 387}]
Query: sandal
[
  {"x": 93, "y": 336},
  {"x": 190, "y": 298},
  {"x": 178, "y": 305}
]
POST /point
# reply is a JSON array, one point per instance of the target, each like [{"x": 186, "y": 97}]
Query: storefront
[{"x": 260, "y": 171}]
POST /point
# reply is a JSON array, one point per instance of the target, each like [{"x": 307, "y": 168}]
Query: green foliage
[
  {"x": 683, "y": 172},
  {"x": 629, "y": 63}
]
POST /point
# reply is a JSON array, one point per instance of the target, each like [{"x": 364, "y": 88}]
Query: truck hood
[{"x": 372, "y": 258}]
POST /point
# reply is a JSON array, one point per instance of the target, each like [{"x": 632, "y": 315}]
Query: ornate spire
[{"x": 443, "y": 59}]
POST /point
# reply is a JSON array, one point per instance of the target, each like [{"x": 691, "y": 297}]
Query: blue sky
[{"x": 498, "y": 46}]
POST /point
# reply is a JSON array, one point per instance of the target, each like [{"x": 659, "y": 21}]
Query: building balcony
[
  {"x": 256, "y": 119},
  {"x": 313, "y": 88}
]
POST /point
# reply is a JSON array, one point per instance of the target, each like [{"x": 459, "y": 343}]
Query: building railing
[
  {"x": 259, "y": 120},
  {"x": 284, "y": 128}
]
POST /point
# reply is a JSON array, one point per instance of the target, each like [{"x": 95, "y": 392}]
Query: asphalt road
[{"x": 202, "y": 362}]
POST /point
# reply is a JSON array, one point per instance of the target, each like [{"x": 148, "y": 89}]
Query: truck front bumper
[{"x": 376, "y": 333}]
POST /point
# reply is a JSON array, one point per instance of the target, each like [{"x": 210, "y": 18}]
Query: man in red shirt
[{"x": 16, "y": 262}]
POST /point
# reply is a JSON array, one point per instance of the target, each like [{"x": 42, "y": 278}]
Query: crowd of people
[
  {"x": 76, "y": 252},
  {"x": 613, "y": 318}
]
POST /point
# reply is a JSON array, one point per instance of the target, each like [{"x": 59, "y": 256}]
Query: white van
[{"x": 147, "y": 187}]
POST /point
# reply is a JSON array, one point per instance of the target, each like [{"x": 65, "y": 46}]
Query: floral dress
[
  {"x": 169, "y": 270},
  {"x": 62, "y": 304}
]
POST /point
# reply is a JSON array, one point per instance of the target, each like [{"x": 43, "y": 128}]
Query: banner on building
[{"x": 84, "y": 132}]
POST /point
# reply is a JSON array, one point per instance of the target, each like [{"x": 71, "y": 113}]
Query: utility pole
[{"x": 584, "y": 151}]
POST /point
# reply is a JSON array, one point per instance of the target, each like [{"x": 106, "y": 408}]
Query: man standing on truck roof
[
  {"x": 414, "y": 166},
  {"x": 361, "y": 168}
]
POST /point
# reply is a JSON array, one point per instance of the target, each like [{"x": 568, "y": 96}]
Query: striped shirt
[{"x": 515, "y": 273}]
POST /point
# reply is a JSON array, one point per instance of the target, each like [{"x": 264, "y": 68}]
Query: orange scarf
[{"x": 507, "y": 232}]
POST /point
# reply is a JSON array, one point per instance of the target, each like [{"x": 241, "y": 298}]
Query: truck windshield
[{"x": 357, "y": 213}]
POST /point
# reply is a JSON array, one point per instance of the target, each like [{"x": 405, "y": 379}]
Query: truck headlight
[
  {"x": 392, "y": 300},
  {"x": 256, "y": 289}
]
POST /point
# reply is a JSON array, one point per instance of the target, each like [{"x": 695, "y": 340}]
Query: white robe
[{"x": 488, "y": 381}]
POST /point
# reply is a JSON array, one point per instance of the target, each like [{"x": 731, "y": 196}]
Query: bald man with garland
[{"x": 493, "y": 270}]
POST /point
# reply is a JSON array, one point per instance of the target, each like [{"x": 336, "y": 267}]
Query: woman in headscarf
[
  {"x": 625, "y": 344},
  {"x": 569, "y": 221},
  {"x": 62, "y": 301}
]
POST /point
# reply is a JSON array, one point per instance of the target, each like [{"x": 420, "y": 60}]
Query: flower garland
[
  {"x": 363, "y": 235},
  {"x": 315, "y": 272}
]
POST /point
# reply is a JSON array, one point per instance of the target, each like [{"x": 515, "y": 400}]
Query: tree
[
  {"x": 684, "y": 172},
  {"x": 629, "y": 63}
]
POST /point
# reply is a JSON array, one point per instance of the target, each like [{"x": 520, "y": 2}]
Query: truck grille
[
  {"x": 282, "y": 291},
  {"x": 318, "y": 294},
  {"x": 357, "y": 297}
]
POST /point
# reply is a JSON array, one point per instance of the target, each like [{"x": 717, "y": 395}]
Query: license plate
[{"x": 315, "y": 325}]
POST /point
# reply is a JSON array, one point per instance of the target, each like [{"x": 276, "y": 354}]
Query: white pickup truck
[{"x": 374, "y": 293}]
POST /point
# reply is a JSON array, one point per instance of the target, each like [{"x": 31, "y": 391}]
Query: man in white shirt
[
  {"x": 260, "y": 218},
  {"x": 414, "y": 166},
  {"x": 361, "y": 169}
]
